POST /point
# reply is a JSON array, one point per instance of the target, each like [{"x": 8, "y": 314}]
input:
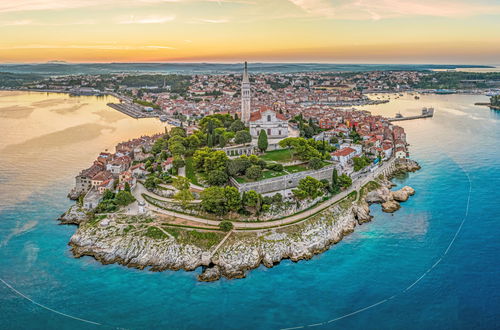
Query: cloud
[
  {"x": 208, "y": 20},
  {"x": 147, "y": 20},
  {"x": 33, "y": 5},
  {"x": 380, "y": 9},
  {"x": 29, "y": 5},
  {"x": 39, "y": 23},
  {"x": 100, "y": 47},
  {"x": 316, "y": 7},
  {"x": 17, "y": 23}
]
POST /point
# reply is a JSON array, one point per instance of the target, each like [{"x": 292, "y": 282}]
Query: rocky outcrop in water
[
  {"x": 75, "y": 215},
  {"x": 389, "y": 199}
]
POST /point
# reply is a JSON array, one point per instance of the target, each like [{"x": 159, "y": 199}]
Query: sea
[{"x": 434, "y": 264}]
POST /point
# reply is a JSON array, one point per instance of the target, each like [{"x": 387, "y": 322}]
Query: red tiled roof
[
  {"x": 256, "y": 115},
  {"x": 102, "y": 176},
  {"x": 343, "y": 152}
]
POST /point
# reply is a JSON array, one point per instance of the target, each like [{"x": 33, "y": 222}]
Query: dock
[
  {"x": 132, "y": 110},
  {"x": 426, "y": 113}
]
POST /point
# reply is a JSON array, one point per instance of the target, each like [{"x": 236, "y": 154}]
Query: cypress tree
[
  {"x": 262, "y": 143},
  {"x": 335, "y": 180}
]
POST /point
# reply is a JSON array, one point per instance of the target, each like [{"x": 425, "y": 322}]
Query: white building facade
[{"x": 275, "y": 124}]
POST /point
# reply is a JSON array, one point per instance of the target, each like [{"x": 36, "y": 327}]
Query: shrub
[
  {"x": 253, "y": 172},
  {"x": 315, "y": 163},
  {"x": 226, "y": 225}
]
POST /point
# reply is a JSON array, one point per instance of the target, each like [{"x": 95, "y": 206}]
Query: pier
[
  {"x": 426, "y": 113},
  {"x": 132, "y": 110}
]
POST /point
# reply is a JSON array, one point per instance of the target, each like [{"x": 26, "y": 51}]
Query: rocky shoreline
[{"x": 109, "y": 241}]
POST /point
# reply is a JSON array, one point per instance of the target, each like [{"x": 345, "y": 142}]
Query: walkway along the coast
[{"x": 242, "y": 225}]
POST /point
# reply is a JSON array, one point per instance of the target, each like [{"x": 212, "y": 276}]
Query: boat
[
  {"x": 445, "y": 91},
  {"x": 399, "y": 115}
]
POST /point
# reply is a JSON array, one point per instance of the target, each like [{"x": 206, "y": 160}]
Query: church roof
[{"x": 256, "y": 115}]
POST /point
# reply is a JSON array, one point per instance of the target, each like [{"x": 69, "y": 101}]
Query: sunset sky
[{"x": 343, "y": 31}]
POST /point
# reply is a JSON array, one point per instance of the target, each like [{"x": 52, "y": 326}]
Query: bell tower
[{"x": 245, "y": 97}]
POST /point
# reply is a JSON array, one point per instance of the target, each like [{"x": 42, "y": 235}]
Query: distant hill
[{"x": 64, "y": 68}]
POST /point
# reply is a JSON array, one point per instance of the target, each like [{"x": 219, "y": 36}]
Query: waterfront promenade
[{"x": 293, "y": 219}]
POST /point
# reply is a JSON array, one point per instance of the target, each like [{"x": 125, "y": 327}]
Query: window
[
  {"x": 279, "y": 132},
  {"x": 268, "y": 117},
  {"x": 268, "y": 131}
]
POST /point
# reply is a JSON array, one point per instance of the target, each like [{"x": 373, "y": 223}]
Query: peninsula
[{"x": 232, "y": 191}]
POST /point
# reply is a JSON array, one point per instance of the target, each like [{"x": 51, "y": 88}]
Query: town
[{"x": 264, "y": 161}]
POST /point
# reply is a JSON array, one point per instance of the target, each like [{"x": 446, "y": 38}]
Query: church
[{"x": 264, "y": 118}]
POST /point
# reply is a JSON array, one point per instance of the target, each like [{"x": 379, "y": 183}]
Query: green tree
[
  {"x": 360, "y": 162},
  {"x": 308, "y": 187},
  {"x": 199, "y": 158},
  {"x": 184, "y": 196},
  {"x": 127, "y": 186},
  {"x": 237, "y": 126},
  {"x": 252, "y": 199},
  {"x": 335, "y": 180},
  {"x": 242, "y": 137},
  {"x": 262, "y": 142},
  {"x": 213, "y": 200},
  {"x": 193, "y": 141},
  {"x": 226, "y": 225},
  {"x": 178, "y": 162},
  {"x": 159, "y": 145},
  {"x": 315, "y": 163},
  {"x": 253, "y": 172},
  {"x": 181, "y": 183},
  {"x": 345, "y": 181},
  {"x": 238, "y": 166},
  {"x": 216, "y": 160},
  {"x": 233, "y": 199},
  {"x": 179, "y": 131},
  {"x": 124, "y": 198},
  {"x": 210, "y": 140},
  {"x": 217, "y": 178},
  {"x": 108, "y": 195},
  {"x": 177, "y": 149},
  {"x": 277, "y": 198}
]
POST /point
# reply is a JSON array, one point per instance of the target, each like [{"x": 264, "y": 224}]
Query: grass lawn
[
  {"x": 296, "y": 168},
  {"x": 281, "y": 156},
  {"x": 190, "y": 172},
  {"x": 265, "y": 175},
  {"x": 271, "y": 174}
]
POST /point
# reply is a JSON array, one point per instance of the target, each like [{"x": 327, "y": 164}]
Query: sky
[{"x": 333, "y": 31}]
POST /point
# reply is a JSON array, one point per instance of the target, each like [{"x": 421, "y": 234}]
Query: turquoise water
[{"x": 380, "y": 277}]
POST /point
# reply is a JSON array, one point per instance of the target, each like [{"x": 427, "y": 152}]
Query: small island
[{"x": 233, "y": 191}]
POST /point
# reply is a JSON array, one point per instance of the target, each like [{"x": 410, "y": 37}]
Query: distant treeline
[
  {"x": 178, "y": 83},
  {"x": 495, "y": 100},
  {"x": 458, "y": 80},
  {"x": 13, "y": 80}
]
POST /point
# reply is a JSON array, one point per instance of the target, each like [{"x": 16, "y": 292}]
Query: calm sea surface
[{"x": 434, "y": 264}]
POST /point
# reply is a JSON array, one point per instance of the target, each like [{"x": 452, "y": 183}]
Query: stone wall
[{"x": 284, "y": 182}]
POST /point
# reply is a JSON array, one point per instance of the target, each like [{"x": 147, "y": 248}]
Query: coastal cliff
[{"x": 142, "y": 242}]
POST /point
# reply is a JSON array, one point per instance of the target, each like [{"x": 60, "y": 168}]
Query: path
[
  {"x": 182, "y": 172},
  {"x": 239, "y": 225},
  {"x": 212, "y": 253}
]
